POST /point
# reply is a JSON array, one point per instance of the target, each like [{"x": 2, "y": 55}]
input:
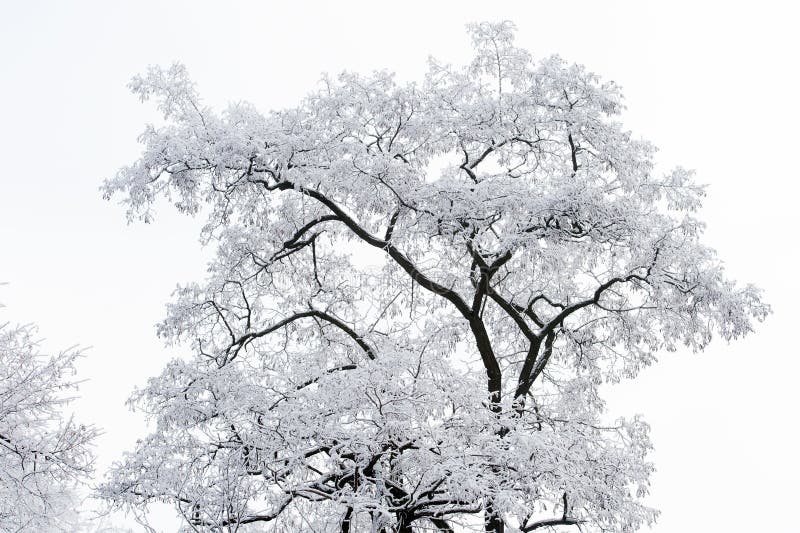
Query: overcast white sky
[{"x": 714, "y": 85}]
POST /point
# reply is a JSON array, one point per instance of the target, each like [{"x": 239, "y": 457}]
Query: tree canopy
[
  {"x": 417, "y": 292},
  {"x": 44, "y": 454}
]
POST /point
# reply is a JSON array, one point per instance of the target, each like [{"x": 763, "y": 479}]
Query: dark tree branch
[
  {"x": 390, "y": 228},
  {"x": 248, "y": 337},
  {"x": 514, "y": 313},
  {"x": 405, "y": 263},
  {"x": 294, "y": 240},
  {"x": 348, "y": 515},
  {"x": 551, "y": 522},
  {"x": 534, "y": 365},
  {"x": 565, "y": 520},
  {"x": 568, "y": 310},
  {"x": 574, "y": 153}
]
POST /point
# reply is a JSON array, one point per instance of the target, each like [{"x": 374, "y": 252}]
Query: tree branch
[
  {"x": 405, "y": 263},
  {"x": 245, "y": 339},
  {"x": 293, "y": 241}
]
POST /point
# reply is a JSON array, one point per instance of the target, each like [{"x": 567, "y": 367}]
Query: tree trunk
[
  {"x": 348, "y": 515},
  {"x": 492, "y": 522},
  {"x": 404, "y": 525}
]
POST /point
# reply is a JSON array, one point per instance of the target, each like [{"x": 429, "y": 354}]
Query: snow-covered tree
[
  {"x": 44, "y": 454},
  {"x": 418, "y": 291}
]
